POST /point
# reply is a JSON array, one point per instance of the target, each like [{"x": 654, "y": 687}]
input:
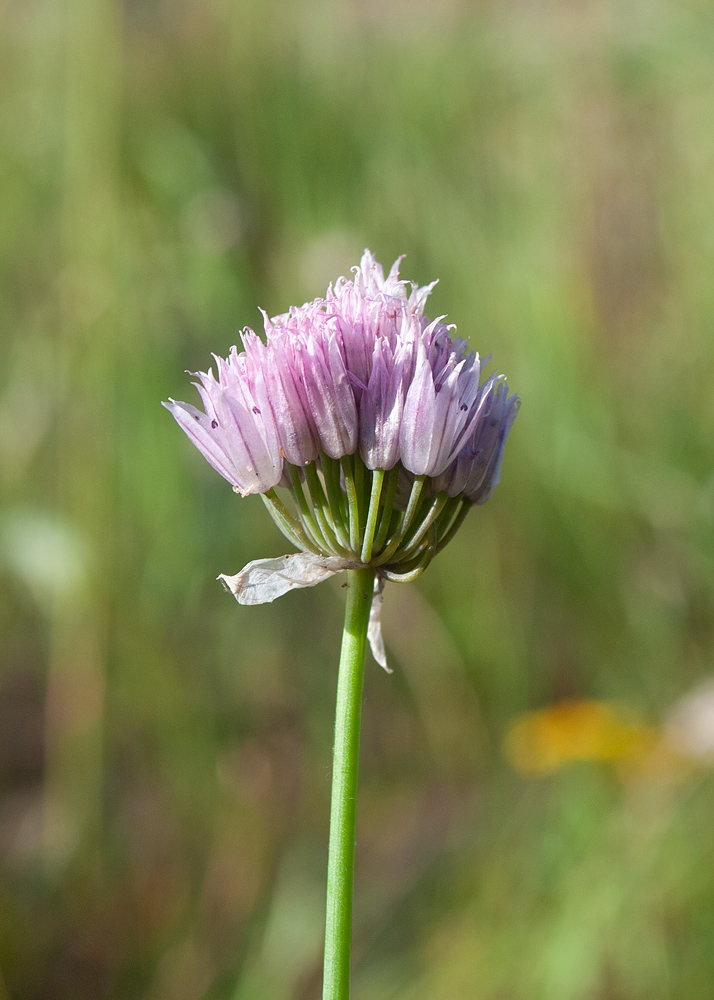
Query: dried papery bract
[{"x": 377, "y": 424}]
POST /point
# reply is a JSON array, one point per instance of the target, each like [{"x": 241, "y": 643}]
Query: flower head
[{"x": 374, "y": 417}]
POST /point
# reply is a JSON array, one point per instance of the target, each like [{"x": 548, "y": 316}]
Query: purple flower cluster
[{"x": 362, "y": 370}]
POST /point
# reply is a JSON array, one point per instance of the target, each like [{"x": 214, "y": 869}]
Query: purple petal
[
  {"x": 418, "y": 418},
  {"x": 198, "y": 428},
  {"x": 381, "y": 413}
]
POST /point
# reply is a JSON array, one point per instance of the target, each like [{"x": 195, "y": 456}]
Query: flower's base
[{"x": 388, "y": 521}]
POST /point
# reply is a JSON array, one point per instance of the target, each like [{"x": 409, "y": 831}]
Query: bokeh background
[{"x": 167, "y": 166}]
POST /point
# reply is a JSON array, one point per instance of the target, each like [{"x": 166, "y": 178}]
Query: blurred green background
[{"x": 167, "y": 166}]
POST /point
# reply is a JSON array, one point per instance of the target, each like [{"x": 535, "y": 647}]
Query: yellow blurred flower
[{"x": 542, "y": 741}]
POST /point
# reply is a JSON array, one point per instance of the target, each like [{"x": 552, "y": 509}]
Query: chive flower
[
  {"x": 382, "y": 432},
  {"x": 376, "y": 420}
]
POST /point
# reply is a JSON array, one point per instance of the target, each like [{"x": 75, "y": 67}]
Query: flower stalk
[{"x": 345, "y": 766}]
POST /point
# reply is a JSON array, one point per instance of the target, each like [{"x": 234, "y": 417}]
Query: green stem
[
  {"x": 286, "y": 522},
  {"x": 410, "y": 569},
  {"x": 341, "y": 859},
  {"x": 413, "y": 503},
  {"x": 410, "y": 544},
  {"x": 409, "y": 577},
  {"x": 335, "y": 498},
  {"x": 319, "y": 504},
  {"x": 373, "y": 511},
  {"x": 311, "y": 528},
  {"x": 351, "y": 490},
  {"x": 360, "y": 470},
  {"x": 387, "y": 509},
  {"x": 456, "y": 524}
]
